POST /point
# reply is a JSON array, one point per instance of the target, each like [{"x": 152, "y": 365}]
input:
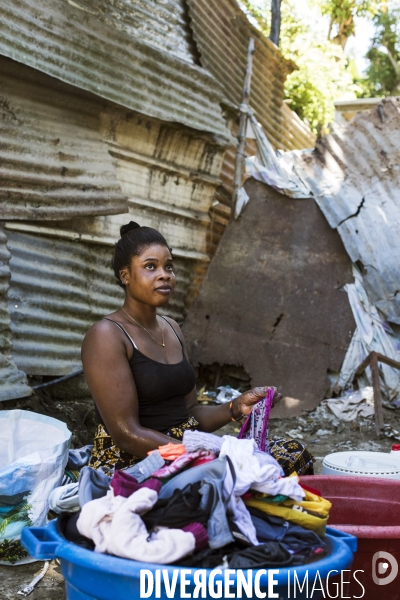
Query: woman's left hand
[{"x": 243, "y": 404}]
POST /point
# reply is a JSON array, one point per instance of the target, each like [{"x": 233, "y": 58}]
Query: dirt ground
[{"x": 319, "y": 430}]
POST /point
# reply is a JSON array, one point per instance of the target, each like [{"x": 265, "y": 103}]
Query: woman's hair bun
[{"x": 128, "y": 227}]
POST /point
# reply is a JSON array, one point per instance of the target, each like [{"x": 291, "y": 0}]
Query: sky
[{"x": 357, "y": 45}]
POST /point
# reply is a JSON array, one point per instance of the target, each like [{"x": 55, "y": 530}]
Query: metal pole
[
  {"x": 275, "y": 22},
  {"x": 377, "y": 393},
  {"x": 244, "y": 107}
]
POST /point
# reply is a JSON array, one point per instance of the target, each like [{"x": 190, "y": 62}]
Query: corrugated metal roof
[
  {"x": 355, "y": 176},
  {"x": 298, "y": 134},
  {"x": 58, "y": 289},
  {"x": 222, "y": 32},
  {"x": 77, "y": 47},
  {"x": 54, "y": 163},
  {"x": 162, "y": 23},
  {"x": 13, "y": 383}
]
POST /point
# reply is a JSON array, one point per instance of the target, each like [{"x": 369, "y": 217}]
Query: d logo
[{"x": 383, "y": 567}]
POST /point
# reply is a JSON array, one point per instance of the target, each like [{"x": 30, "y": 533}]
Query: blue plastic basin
[{"x": 93, "y": 576}]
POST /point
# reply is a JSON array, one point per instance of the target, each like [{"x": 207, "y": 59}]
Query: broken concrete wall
[{"x": 271, "y": 300}]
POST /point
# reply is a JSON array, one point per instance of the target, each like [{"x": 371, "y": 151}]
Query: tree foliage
[
  {"x": 321, "y": 75},
  {"x": 341, "y": 15},
  {"x": 383, "y": 73}
]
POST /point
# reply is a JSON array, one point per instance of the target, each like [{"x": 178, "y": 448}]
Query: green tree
[
  {"x": 383, "y": 73},
  {"x": 341, "y": 15},
  {"x": 321, "y": 75}
]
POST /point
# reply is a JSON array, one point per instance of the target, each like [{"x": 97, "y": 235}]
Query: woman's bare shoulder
[
  {"x": 106, "y": 328},
  {"x": 175, "y": 326}
]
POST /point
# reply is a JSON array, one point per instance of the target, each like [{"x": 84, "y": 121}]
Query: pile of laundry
[{"x": 209, "y": 501}]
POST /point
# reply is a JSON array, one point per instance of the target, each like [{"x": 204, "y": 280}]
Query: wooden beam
[
  {"x": 381, "y": 358},
  {"x": 373, "y": 359}
]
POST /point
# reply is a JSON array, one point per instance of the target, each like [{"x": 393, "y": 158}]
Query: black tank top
[{"x": 160, "y": 387}]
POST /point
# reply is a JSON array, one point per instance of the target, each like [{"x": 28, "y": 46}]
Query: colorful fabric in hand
[
  {"x": 124, "y": 485},
  {"x": 170, "y": 451},
  {"x": 179, "y": 463},
  {"x": 256, "y": 425},
  {"x": 312, "y": 513}
]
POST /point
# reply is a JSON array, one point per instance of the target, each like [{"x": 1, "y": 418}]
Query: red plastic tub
[{"x": 368, "y": 508}]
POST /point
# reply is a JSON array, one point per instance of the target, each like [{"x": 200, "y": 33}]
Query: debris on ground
[{"x": 353, "y": 404}]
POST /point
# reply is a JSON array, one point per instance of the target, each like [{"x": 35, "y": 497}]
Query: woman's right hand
[{"x": 243, "y": 404}]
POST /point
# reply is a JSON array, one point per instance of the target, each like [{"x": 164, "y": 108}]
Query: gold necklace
[{"x": 153, "y": 338}]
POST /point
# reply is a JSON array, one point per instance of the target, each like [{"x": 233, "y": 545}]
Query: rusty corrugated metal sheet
[
  {"x": 271, "y": 300},
  {"x": 162, "y": 23},
  {"x": 54, "y": 163},
  {"x": 13, "y": 383},
  {"x": 298, "y": 134},
  {"x": 169, "y": 176},
  {"x": 58, "y": 289},
  {"x": 81, "y": 49},
  {"x": 355, "y": 177},
  {"x": 222, "y": 32}
]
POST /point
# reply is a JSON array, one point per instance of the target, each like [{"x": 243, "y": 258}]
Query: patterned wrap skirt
[{"x": 290, "y": 454}]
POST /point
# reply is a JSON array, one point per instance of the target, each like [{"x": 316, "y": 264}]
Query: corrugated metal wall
[
  {"x": 13, "y": 383},
  {"x": 112, "y": 92},
  {"x": 54, "y": 163},
  {"x": 222, "y": 33},
  {"x": 162, "y": 23},
  {"x": 58, "y": 289},
  {"x": 75, "y": 46},
  {"x": 169, "y": 175},
  {"x": 298, "y": 135},
  {"x": 61, "y": 277}
]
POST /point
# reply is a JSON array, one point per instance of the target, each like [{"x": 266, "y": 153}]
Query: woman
[{"x": 136, "y": 366}]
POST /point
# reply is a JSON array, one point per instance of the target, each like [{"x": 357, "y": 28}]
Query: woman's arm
[
  {"x": 211, "y": 418},
  {"x": 108, "y": 375}
]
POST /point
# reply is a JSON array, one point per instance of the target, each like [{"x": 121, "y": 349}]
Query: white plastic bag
[{"x": 33, "y": 454}]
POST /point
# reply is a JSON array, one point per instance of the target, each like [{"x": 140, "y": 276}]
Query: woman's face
[{"x": 150, "y": 278}]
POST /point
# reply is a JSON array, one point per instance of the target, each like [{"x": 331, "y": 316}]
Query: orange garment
[{"x": 170, "y": 451}]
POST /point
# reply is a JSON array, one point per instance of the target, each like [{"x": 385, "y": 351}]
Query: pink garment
[
  {"x": 125, "y": 485},
  {"x": 256, "y": 425},
  {"x": 180, "y": 463},
  {"x": 203, "y": 459},
  {"x": 200, "y": 534}
]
